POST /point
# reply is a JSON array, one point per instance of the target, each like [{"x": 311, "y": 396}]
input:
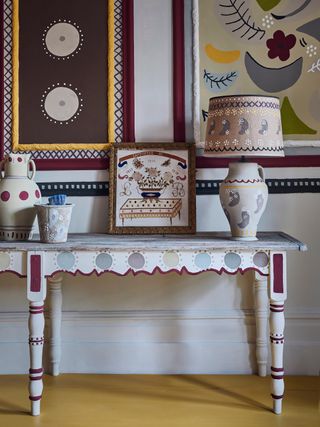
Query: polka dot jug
[{"x": 18, "y": 194}]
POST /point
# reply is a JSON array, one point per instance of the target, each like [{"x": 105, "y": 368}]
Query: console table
[{"x": 121, "y": 255}]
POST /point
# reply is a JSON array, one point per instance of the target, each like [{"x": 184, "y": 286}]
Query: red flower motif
[{"x": 280, "y": 45}]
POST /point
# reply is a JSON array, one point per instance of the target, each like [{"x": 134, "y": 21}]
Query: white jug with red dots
[{"x": 18, "y": 194}]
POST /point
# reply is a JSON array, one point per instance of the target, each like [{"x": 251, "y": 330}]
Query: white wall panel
[{"x": 153, "y": 70}]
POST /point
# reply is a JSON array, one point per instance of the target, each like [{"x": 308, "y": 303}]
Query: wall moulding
[{"x": 158, "y": 335}]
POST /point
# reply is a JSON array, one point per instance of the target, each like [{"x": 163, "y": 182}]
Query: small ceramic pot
[
  {"x": 54, "y": 221},
  {"x": 243, "y": 196}
]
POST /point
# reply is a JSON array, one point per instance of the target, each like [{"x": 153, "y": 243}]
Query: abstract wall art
[
  {"x": 263, "y": 47},
  {"x": 152, "y": 188}
]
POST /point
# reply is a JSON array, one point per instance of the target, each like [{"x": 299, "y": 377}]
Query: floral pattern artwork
[
  {"x": 263, "y": 48},
  {"x": 152, "y": 186}
]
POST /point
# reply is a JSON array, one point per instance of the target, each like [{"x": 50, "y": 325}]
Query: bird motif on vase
[
  {"x": 245, "y": 216},
  {"x": 234, "y": 198},
  {"x": 259, "y": 202}
]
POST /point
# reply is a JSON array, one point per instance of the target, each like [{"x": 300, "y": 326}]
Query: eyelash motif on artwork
[{"x": 238, "y": 17}]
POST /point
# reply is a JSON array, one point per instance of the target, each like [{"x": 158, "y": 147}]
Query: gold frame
[
  {"x": 15, "y": 92},
  {"x": 191, "y": 227}
]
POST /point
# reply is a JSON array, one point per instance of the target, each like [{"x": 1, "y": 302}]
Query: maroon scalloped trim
[
  {"x": 2, "y": 81},
  {"x": 158, "y": 270},
  {"x": 243, "y": 181}
]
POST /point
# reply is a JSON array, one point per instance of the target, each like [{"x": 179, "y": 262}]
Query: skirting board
[{"x": 162, "y": 342}]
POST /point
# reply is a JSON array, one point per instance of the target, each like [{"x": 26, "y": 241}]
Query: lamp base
[{"x": 243, "y": 196}]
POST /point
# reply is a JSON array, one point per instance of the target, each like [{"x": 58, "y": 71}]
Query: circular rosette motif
[
  {"x": 61, "y": 103},
  {"x": 62, "y": 39}
]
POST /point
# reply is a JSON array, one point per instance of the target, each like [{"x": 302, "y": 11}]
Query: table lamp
[{"x": 244, "y": 126}]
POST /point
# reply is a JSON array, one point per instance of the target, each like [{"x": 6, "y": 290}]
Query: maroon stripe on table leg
[
  {"x": 36, "y": 378},
  {"x": 277, "y": 377},
  {"x": 276, "y": 369},
  {"x": 35, "y": 398},
  {"x": 2, "y": 81},
  {"x": 128, "y": 70},
  {"x": 179, "y": 119},
  {"x": 35, "y": 371},
  {"x": 274, "y": 396}
]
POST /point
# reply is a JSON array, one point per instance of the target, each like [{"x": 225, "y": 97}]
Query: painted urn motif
[{"x": 18, "y": 194}]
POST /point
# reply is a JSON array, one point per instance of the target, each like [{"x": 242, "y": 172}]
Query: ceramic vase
[
  {"x": 243, "y": 196},
  {"x": 18, "y": 194},
  {"x": 54, "y": 221}
]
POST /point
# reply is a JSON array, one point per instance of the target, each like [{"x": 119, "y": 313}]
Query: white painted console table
[{"x": 192, "y": 254}]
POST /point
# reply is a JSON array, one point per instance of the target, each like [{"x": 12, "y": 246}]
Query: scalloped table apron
[{"x": 121, "y": 255}]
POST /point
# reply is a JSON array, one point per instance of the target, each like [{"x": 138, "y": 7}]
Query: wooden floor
[{"x": 166, "y": 401}]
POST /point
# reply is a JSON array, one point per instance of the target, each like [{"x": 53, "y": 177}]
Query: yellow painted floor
[{"x": 166, "y": 401}]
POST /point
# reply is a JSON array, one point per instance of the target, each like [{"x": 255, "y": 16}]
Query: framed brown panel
[{"x": 63, "y": 75}]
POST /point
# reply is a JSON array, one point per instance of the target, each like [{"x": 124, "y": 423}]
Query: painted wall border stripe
[
  {"x": 266, "y": 162},
  {"x": 128, "y": 71},
  {"x": 203, "y": 187},
  {"x": 178, "y": 52},
  {"x": 201, "y": 163}
]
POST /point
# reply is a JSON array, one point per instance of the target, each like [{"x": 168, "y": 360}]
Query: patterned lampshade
[{"x": 244, "y": 125}]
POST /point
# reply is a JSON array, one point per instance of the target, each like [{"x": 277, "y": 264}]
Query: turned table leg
[
  {"x": 36, "y": 294},
  {"x": 36, "y": 340},
  {"x": 277, "y": 340},
  {"x": 278, "y": 294},
  {"x": 55, "y": 311},
  {"x": 261, "y": 314}
]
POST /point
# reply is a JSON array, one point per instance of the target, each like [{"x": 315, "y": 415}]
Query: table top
[{"x": 277, "y": 241}]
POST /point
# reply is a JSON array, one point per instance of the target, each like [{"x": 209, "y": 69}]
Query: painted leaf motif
[
  {"x": 237, "y": 16},
  {"x": 219, "y": 82}
]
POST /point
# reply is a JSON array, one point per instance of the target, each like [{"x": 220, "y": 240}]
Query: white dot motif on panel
[
  {"x": 62, "y": 39},
  {"x": 61, "y": 103}
]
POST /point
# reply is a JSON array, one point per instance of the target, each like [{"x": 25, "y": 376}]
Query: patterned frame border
[{"x": 76, "y": 159}]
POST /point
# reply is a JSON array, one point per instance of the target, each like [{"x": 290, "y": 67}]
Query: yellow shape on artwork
[{"x": 222, "y": 56}]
